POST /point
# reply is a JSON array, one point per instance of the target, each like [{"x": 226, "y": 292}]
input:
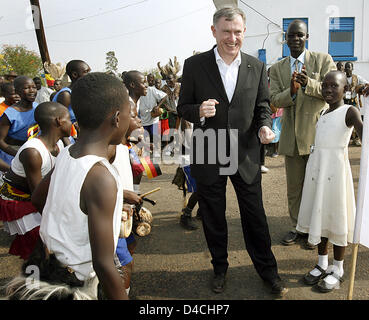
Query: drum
[{"x": 142, "y": 222}]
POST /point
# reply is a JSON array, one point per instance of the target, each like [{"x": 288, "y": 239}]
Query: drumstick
[{"x": 149, "y": 192}]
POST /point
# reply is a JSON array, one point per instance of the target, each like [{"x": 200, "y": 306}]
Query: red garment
[
  {"x": 164, "y": 126},
  {"x": 14, "y": 205},
  {"x": 23, "y": 245}
]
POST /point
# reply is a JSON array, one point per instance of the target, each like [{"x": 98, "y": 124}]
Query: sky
[{"x": 140, "y": 32}]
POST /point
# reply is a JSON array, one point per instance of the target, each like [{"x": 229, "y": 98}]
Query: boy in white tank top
[{"x": 81, "y": 200}]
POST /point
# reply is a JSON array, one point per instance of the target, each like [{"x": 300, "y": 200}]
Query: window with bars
[{"x": 341, "y": 38}]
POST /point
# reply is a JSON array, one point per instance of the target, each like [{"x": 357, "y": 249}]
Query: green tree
[
  {"x": 111, "y": 64},
  {"x": 19, "y": 59}
]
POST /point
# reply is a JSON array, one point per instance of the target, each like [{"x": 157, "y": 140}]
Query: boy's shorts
[
  {"x": 131, "y": 238},
  {"x": 191, "y": 182},
  {"x": 122, "y": 252}
]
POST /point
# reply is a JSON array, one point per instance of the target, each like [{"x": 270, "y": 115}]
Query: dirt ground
[{"x": 172, "y": 263}]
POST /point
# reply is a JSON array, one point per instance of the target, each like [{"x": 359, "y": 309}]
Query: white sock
[
  {"x": 339, "y": 265},
  {"x": 323, "y": 263}
]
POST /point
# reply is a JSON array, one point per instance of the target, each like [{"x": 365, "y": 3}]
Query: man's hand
[
  {"x": 294, "y": 86},
  {"x": 128, "y": 209},
  {"x": 207, "y": 108},
  {"x": 302, "y": 77},
  {"x": 266, "y": 135},
  {"x": 131, "y": 197}
]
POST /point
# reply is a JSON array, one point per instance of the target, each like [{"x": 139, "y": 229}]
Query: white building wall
[{"x": 318, "y": 13}]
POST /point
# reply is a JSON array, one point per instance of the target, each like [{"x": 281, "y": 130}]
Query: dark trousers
[{"x": 212, "y": 206}]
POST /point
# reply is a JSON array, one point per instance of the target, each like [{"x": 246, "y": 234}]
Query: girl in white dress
[{"x": 327, "y": 210}]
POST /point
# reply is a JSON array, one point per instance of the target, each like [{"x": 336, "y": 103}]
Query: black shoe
[
  {"x": 218, "y": 283},
  {"x": 309, "y": 246},
  {"x": 187, "y": 222},
  {"x": 290, "y": 238},
  {"x": 278, "y": 287},
  {"x": 311, "y": 280}
]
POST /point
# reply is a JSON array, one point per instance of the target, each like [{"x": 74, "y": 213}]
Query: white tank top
[
  {"x": 64, "y": 227},
  {"x": 48, "y": 160}
]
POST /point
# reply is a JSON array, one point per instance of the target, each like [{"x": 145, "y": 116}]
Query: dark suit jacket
[{"x": 248, "y": 111}]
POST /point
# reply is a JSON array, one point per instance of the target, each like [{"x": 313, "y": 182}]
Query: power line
[
  {"x": 132, "y": 32},
  {"x": 76, "y": 20},
  {"x": 265, "y": 17}
]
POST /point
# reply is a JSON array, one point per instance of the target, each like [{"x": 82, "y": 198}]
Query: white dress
[{"x": 328, "y": 202}]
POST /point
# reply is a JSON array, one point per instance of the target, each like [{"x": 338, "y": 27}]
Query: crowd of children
[{"x": 91, "y": 131}]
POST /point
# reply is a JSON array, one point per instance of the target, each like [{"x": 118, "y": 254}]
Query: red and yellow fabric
[
  {"x": 49, "y": 80},
  {"x": 14, "y": 205},
  {"x": 35, "y": 130}
]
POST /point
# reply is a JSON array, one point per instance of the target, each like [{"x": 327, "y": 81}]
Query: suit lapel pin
[{"x": 248, "y": 66}]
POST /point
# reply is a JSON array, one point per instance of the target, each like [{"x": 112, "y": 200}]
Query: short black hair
[
  {"x": 96, "y": 95},
  {"x": 46, "y": 112},
  {"x": 6, "y": 87},
  {"x": 36, "y": 78},
  {"x": 73, "y": 66},
  {"x": 349, "y": 63},
  {"x": 131, "y": 76},
  {"x": 19, "y": 81}
]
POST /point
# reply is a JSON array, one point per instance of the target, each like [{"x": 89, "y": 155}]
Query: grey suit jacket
[{"x": 300, "y": 115}]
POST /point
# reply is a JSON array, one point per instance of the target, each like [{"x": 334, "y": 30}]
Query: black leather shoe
[
  {"x": 310, "y": 246},
  {"x": 311, "y": 280},
  {"x": 187, "y": 222},
  {"x": 278, "y": 287},
  {"x": 218, "y": 283},
  {"x": 290, "y": 238}
]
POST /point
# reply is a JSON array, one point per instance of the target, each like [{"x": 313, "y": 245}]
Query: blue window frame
[
  {"x": 286, "y": 22},
  {"x": 341, "y": 38}
]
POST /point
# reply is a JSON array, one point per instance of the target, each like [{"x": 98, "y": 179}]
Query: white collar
[
  {"x": 300, "y": 58},
  {"x": 218, "y": 58}
]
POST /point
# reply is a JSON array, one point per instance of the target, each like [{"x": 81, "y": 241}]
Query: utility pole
[{"x": 40, "y": 32}]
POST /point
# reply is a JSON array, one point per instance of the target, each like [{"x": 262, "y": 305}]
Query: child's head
[
  {"x": 135, "y": 125},
  {"x": 8, "y": 92},
  {"x": 58, "y": 85},
  {"x": 135, "y": 82},
  {"x": 334, "y": 86},
  {"x": 150, "y": 79},
  {"x": 37, "y": 82},
  {"x": 53, "y": 116},
  {"x": 25, "y": 88},
  {"x": 98, "y": 100},
  {"x": 76, "y": 69}
]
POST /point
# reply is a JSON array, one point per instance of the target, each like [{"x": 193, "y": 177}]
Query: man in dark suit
[{"x": 225, "y": 94}]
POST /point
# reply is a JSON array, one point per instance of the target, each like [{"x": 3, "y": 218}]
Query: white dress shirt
[{"x": 229, "y": 73}]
